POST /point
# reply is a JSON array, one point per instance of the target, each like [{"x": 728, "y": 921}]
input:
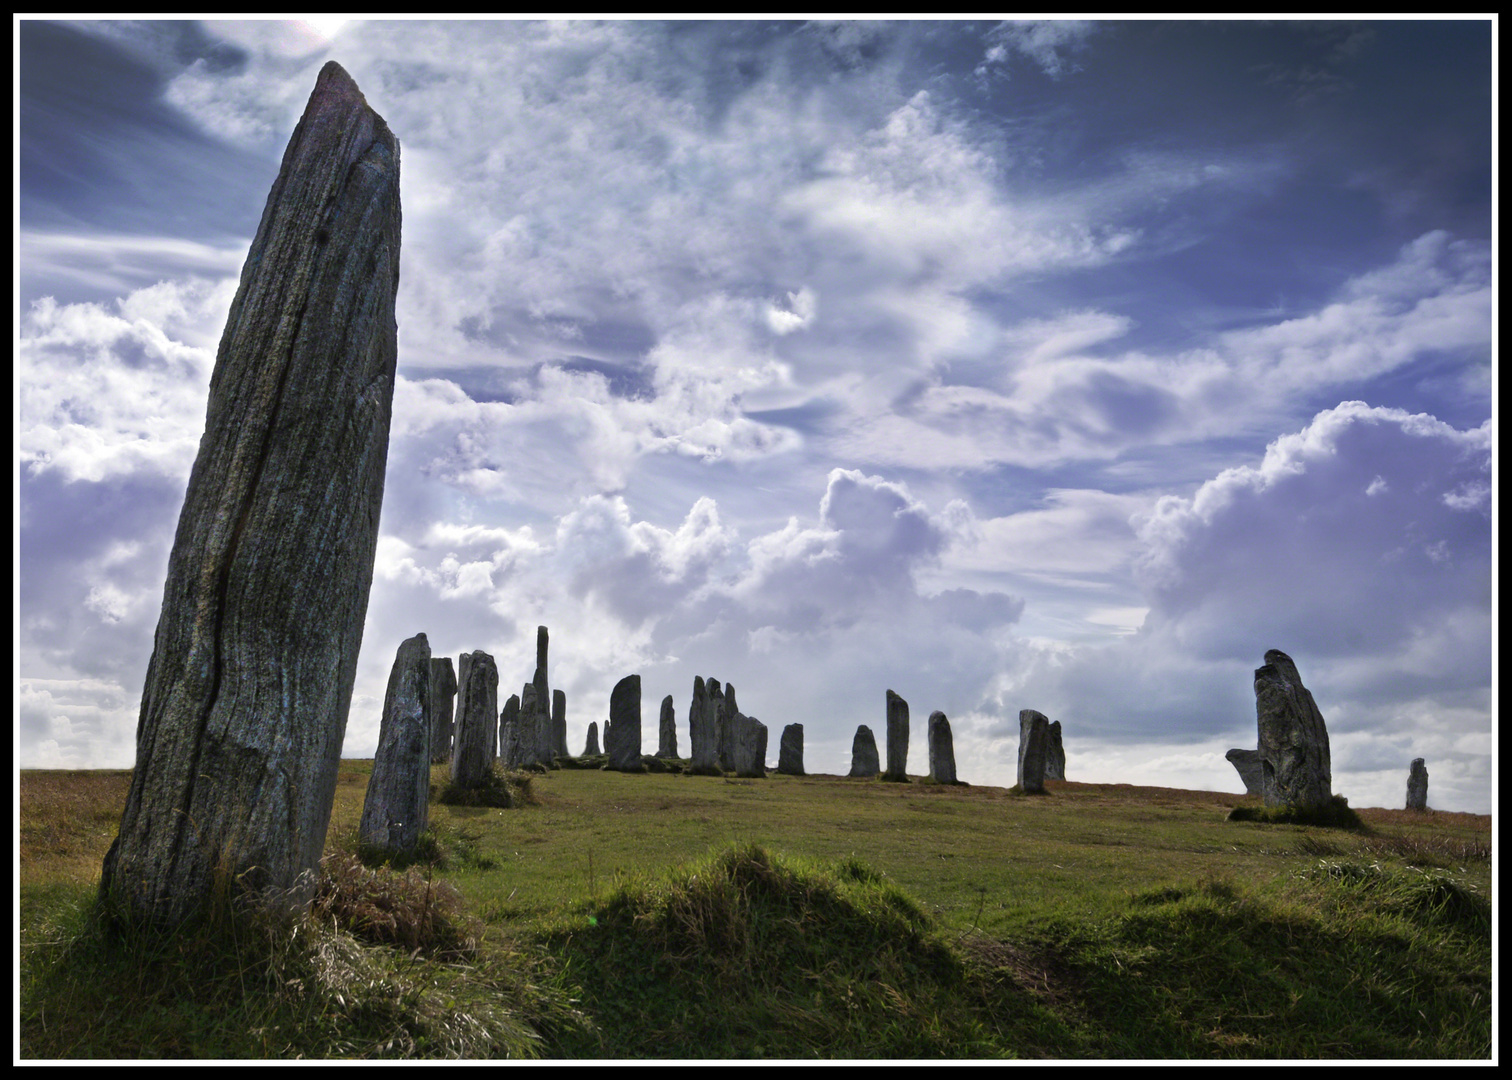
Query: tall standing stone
[
  {"x": 533, "y": 731},
  {"x": 1293, "y": 738},
  {"x": 622, "y": 735},
  {"x": 475, "y": 743},
  {"x": 897, "y": 739},
  {"x": 245, "y": 702},
  {"x": 1055, "y": 753},
  {"x": 545, "y": 733},
  {"x": 729, "y": 730},
  {"x": 394, "y": 813},
  {"x": 790, "y": 751},
  {"x": 1417, "y": 785},
  {"x": 941, "y": 749},
  {"x": 1250, "y": 768},
  {"x": 703, "y": 732},
  {"x": 864, "y": 760},
  {"x": 666, "y": 731},
  {"x": 591, "y": 747},
  {"x": 443, "y": 698},
  {"x": 559, "y": 722},
  {"x": 1034, "y": 746}
]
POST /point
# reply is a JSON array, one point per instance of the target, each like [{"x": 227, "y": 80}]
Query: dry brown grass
[
  {"x": 387, "y": 907},
  {"x": 68, "y": 819}
]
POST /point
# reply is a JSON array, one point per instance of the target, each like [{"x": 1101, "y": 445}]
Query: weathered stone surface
[
  {"x": 591, "y": 747},
  {"x": 666, "y": 741},
  {"x": 539, "y": 719},
  {"x": 245, "y": 701},
  {"x": 622, "y": 734},
  {"x": 1055, "y": 754},
  {"x": 1034, "y": 746},
  {"x": 1293, "y": 743},
  {"x": 942, "y": 769},
  {"x": 559, "y": 722},
  {"x": 534, "y": 727},
  {"x": 1250, "y": 768},
  {"x": 703, "y": 731},
  {"x": 443, "y": 697},
  {"x": 790, "y": 750},
  {"x": 897, "y": 739},
  {"x": 727, "y": 710},
  {"x": 509, "y": 733},
  {"x": 394, "y": 813},
  {"x": 864, "y": 759},
  {"x": 1417, "y": 785},
  {"x": 748, "y": 745},
  {"x": 475, "y": 743}
]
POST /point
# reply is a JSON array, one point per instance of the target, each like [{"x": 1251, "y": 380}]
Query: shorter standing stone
[
  {"x": 1034, "y": 742},
  {"x": 591, "y": 749},
  {"x": 790, "y": 751},
  {"x": 897, "y": 739},
  {"x": 941, "y": 750},
  {"x": 666, "y": 742},
  {"x": 476, "y": 742},
  {"x": 559, "y": 722},
  {"x": 398, "y": 791},
  {"x": 509, "y": 733},
  {"x": 748, "y": 746},
  {"x": 1055, "y": 754},
  {"x": 622, "y": 735},
  {"x": 1417, "y": 785},
  {"x": 1250, "y": 768},
  {"x": 864, "y": 760},
  {"x": 443, "y": 697}
]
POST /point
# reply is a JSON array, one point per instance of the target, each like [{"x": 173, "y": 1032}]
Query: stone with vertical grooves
[
  {"x": 475, "y": 744},
  {"x": 443, "y": 688},
  {"x": 395, "y": 811},
  {"x": 703, "y": 732},
  {"x": 1293, "y": 740},
  {"x": 897, "y": 739},
  {"x": 245, "y": 701}
]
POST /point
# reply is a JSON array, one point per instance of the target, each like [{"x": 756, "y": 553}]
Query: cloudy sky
[{"x": 1066, "y": 366}]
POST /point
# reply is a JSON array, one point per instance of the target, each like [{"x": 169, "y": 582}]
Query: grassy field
[{"x": 673, "y": 916}]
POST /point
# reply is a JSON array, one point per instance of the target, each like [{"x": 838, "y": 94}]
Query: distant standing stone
[
  {"x": 1250, "y": 768},
  {"x": 1034, "y": 744},
  {"x": 727, "y": 710},
  {"x": 591, "y": 748},
  {"x": 1417, "y": 785},
  {"x": 748, "y": 746},
  {"x": 864, "y": 760},
  {"x": 509, "y": 733},
  {"x": 1055, "y": 754},
  {"x": 703, "y": 732},
  {"x": 1293, "y": 738},
  {"x": 559, "y": 722},
  {"x": 666, "y": 742},
  {"x": 476, "y": 741},
  {"x": 897, "y": 739},
  {"x": 443, "y": 696},
  {"x": 622, "y": 735},
  {"x": 941, "y": 750},
  {"x": 394, "y": 814},
  {"x": 790, "y": 751}
]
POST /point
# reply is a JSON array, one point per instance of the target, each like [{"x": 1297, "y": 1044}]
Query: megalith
[
  {"x": 666, "y": 732},
  {"x": 1055, "y": 754},
  {"x": 443, "y": 697},
  {"x": 1034, "y": 745},
  {"x": 1293, "y": 738},
  {"x": 942, "y": 769},
  {"x": 703, "y": 731},
  {"x": 591, "y": 747},
  {"x": 394, "y": 813},
  {"x": 1250, "y": 769},
  {"x": 533, "y": 729},
  {"x": 622, "y": 734},
  {"x": 897, "y": 739},
  {"x": 509, "y": 733},
  {"x": 864, "y": 760},
  {"x": 748, "y": 745},
  {"x": 559, "y": 722},
  {"x": 790, "y": 751},
  {"x": 729, "y": 730},
  {"x": 475, "y": 742},
  {"x": 1417, "y": 785},
  {"x": 544, "y": 747},
  {"x": 245, "y": 701}
]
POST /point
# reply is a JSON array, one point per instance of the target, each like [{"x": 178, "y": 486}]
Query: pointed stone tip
[{"x": 334, "y": 88}]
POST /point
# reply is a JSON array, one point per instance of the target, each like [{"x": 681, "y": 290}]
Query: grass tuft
[
  {"x": 500, "y": 789},
  {"x": 1334, "y": 814}
]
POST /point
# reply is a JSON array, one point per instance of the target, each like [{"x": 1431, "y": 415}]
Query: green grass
[{"x": 671, "y": 916}]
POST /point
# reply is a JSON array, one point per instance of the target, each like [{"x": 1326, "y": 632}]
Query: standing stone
[
  {"x": 443, "y": 696},
  {"x": 897, "y": 739},
  {"x": 721, "y": 721},
  {"x": 533, "y": 731},
  {"x": 942, "y": 768},
  {"x": 545, "y": 732},
  {"x": 864, "y": 760},
  {"x": 666, "y": 742},
  {"x": 1417, "y": 785},
  {"x": 790, "y": 751},
  {"x": 729, "y": 730},
  {"x": 591, "y": 748},
  {"x": 509, "y": 733},
  {"x": 245, "y": 702},
  {"x": 1250, "y": 768},
  {"x": 1055, "y": 754},
  {"x": 1293, "y": 739},
  {"x": 394, "y": 814},
  {"x": 703, "y": 732},
  {"x": 1034, "y": 745},
  {"x": 559, "y": 722},
  {"x": 622, "y": 735},
  {"x": 475, "y": 744},
  {"x": 748, "y": 745}
]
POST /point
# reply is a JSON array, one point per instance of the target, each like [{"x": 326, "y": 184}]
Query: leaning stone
[
  {"x": 703, "y": 732},
  {"x": 942, "y": 768},
  {"x": 790, "y": 750},
  {"x": 591, "y": 748},
  {"x": 1034, "y": 745},
  {"x": 1250, "y": 768},
  {"x": 245, "y": 701},
  {"x": 864, "y": 760},
  {"x": 666, "y": 743},
  {"x": 1055, "y": 754},
  {"x": 398, "y": 792},
  {"x": 1293, "y": 742},
  {"x": 443, "y": 687},
  {"x": 897, "y": 739},
  {"x": 1417, "y": 785},
  {"x": 476, "y": 740},
  {"x": 622, "y": 735}
]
